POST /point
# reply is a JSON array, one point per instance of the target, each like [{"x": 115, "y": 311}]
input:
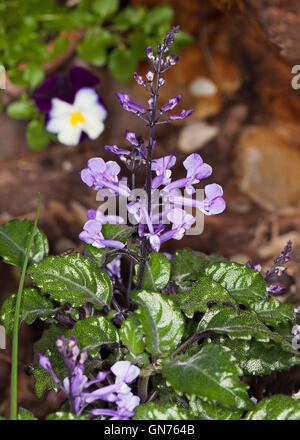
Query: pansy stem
[{"x": 15, "y": 340}]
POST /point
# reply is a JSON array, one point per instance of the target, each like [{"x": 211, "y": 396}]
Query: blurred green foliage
[{"x": 32, "y": 33}]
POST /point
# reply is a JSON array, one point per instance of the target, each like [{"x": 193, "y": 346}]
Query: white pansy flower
[{"x": 86, "y": 115}]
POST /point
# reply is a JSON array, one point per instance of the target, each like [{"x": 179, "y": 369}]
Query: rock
[
  {"x": 195, "y": 135},
  {"x": 202, "y": 86},
  {"x": 267, "y": 164}
]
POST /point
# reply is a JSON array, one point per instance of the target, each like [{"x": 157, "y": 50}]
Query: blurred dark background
[{"x": 237, "y": 76}]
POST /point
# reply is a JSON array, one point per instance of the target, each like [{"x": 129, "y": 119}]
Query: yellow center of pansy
[{"x": 77, "y": 117}]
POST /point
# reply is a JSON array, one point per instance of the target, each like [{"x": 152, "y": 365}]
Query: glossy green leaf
[
  {"x": 161, "y": 321},
  {"x": 243, "y": 283},
  {"x": 132, "y": 335},
  {"x": 280, "y": 407},
  {"x": 24, "y": 414},
  {"x": 243, "y": 325},
  {"x": 117, "y": 232},
  {"x": 60, "y": 415},
  {"x": 73, "y": 279},
  {"x": 202, "y": 410},
  {"x": 260, "y": 359},
  {"x": 47, "y": 346},
  {"x": 13, "y": 238},
  {"x": 33, "y": 306},
  {"x": 210, "y": 374},
  {"x": 152, "y": 411},
  {"x": 37, "y": 137},
  {"x": 157, "y": 272},
  {"x": 122, "y": 64},
  {"x": 272, "y": 312},
  {"x": 203, "y": 292},
  {"x": 93, "y": 332},
  {"x": 188, "y": 265}
]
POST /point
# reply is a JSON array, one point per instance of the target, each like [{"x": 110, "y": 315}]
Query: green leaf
[
  {"x": 93, "y": 49},
  {"x": 61, "y": 415},
  {"x": 127, "y": 18},
  {"x": 157, "y": 272},
  {"x": 132, "y": 335},
  {"x": 13, "y": 239},
  {"x": 105, "y": 8},
  {"x": 21, "y": 109},
  {"x": 157, "y": 16},
  {"x": 188, "y": 265},
  {"x": 33, "y": 74},
  {"x": 24, "y": 414},
  {"x": 272, "y": 312},
  {"x": 243, "y": 283},
  {"x": 280, "y": 407},
  {"x": 37, "y": 137},
  {"x": 73, "y": 279},
  {"x": 47, "y": 346},
  {"x": 152, "y": 411},
  {"x": 93, "y": 332},
  {"x": 203, "y": 291},
  {"x": 117, "y": 232},
  {"x": 161, "y": 321},
  {"x": 256, "y": 358},
  {"x": 244, "y": 325},
  {"x": 33, "y": 306},
  {"x": 122, "y": 64},
  {"x": 211, "y": 411},
  {"x": 60, "y": 45},
  {"x": 210, "y": 374}
]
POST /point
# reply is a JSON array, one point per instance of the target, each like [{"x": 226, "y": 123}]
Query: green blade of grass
[{"x": 15, "y": 340}]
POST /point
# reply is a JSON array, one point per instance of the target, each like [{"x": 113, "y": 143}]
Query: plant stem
[
  {"x": 190, "y": 341},
  {"x": 15, "y": 340},
  {"x": 151, "y": 141},
  {"x": 143, "y": 388}
]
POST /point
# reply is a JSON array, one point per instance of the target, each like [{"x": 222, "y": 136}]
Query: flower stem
[
  {"x": 151, "y": 141},
  {"x": 143, "y": 388},
  {"x": 15, "y": 340}
]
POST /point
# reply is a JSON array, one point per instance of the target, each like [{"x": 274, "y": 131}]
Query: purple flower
[
  {"x": 138, "y": 78},
  {"x": 75, "y": 385},
  {"x": 116, "y": 150},
  {"x": 150, "y": 76},
  {"x": 100, "y": 174},
  {"x": 131, "y": 137},
  {"x": 196, "y": 170},
  {"x": 162, "y": 168},
  {"x": 182, "y": 115},
  {"x": 63, "y": 87},
  {"x": 129, "y": 105},
  {"x": 172, "y": 103},
  {"x": 275, "y": 288},
  {"x": 114, "y": 267},
  {"x": 91, "y": 234},
  {"x": 96, "y": 214}
]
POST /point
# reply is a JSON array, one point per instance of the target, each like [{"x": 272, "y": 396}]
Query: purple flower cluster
[
  {"x": 76, "y": 384},
  {"x": 161, "y": 203}
]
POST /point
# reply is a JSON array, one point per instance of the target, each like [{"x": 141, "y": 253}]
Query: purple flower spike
[
  {"x": 116, "y": 150},
  {"x": 91, "y": 234},
  {"x": 172, "y": 104},
  {"x": 129, "y": 105},
  {"x": 131, "y": 137},
  {"x": 184, "y": 114}
]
